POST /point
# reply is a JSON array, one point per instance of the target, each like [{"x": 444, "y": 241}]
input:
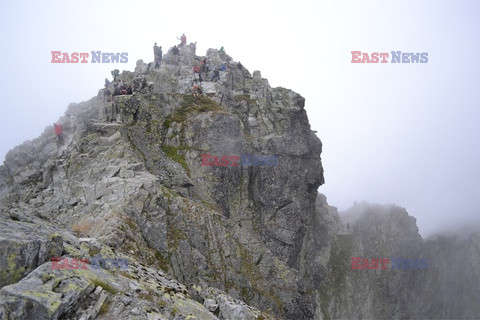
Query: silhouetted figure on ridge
[
  {"x": 157, "y": 52},
  {"x": 115, "y": 74},
  {"x": 183, "y": 40}
]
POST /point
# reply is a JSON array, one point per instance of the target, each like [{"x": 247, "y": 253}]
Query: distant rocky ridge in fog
[{"x": 207, "y": 242}]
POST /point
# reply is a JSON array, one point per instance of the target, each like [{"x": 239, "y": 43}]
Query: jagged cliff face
[
  {"x": 445, "y": 286},
  {"x": 137, "y": 184},
  {"x": 129, "y": 183}
]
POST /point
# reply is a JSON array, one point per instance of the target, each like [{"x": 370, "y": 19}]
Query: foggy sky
[{"x": 392, "y": 133}]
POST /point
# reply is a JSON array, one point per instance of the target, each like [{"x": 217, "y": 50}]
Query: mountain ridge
[{"x": 205, "y": 242}]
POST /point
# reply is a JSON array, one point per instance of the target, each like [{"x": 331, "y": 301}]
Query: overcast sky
[{"x": 392, "y": 133}]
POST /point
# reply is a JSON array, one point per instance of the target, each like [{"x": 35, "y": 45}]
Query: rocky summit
[{"x": 127, "y": 220}]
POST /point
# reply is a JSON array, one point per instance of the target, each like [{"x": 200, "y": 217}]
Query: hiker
[
  {"x": 205, "y": 67},
  {"x": 197, "y": 76},
  {"x": 107, "y": 83},
  {"x": 116, "y": 90},
  {"x": 160, "y": 55},
  {"x": 157, "y": 55},
  {"x": 58, "y": 132},
  {"x": 115, "y": 74},
  {"x": 196, "y": 89},
  {"x": 221, "y": 51},
  {"x": 129, "y": 89},
  {"x": 196, "y": 69},
  {"x": 223, "y": 67},
  {"x": 175, "y": 50},
  {"x": 120, "y": 84},
  {"x": 216, "y": 75},
  {"x": 155, "y": 51},
  {"x": 183, "y": 40}
]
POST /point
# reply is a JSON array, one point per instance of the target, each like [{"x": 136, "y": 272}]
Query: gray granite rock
[{"x": 257, "y": 241}]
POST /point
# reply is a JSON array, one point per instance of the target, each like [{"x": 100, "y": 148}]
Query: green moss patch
[
  {"x": 244, "y": 97},
  {"x": 163, "y": 263},
  {"x": 191, "y": 106},
  {"x": 175, "y": 154},
  {"x": 106, "y": 286}
]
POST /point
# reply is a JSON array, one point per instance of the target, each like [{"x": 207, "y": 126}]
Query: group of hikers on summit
[
  {"x": 158, "y": 54},
  {"x": 200, "y": 71},
  {"x": 117, "y": 87}
]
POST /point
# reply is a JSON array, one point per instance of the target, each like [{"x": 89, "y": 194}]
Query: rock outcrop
[
  {"x": 130, "y": 175},
  {"x": 224, "y": 241},
  {"x": 437, "y": 278}
]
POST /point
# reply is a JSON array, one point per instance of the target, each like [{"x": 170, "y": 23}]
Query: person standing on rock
[
  {"x": 59, "y": 133},
  {"x": 216, "y": 75},
  {"x": 160, "y": 55},
  {"x": 157, "y": 53},
  {"x": 175, "y": 50},
  {"x": 205, "y": 67},
  {"x": 115, "y": 74},
  {"x": 116, "y": 90},
  {"x": 183, "y": 40}
]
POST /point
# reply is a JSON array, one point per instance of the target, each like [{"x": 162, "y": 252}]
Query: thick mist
[{"x": 392, "y": 133}]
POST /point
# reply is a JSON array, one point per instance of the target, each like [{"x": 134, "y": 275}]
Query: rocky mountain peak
[
  {"x": 170, "y": 202},
  {"x": 130, "y": 175}
]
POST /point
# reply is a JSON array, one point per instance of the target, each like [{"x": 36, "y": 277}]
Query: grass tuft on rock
[
  {"x": 174, "y": 153},
  {"x": 191, "y": 106},
  {"x": 244, "y": 97},
  {"x": 106, "y": 286}
]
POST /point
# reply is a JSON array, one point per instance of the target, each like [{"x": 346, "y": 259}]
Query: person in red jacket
[{"x": 59, "y": 132}]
